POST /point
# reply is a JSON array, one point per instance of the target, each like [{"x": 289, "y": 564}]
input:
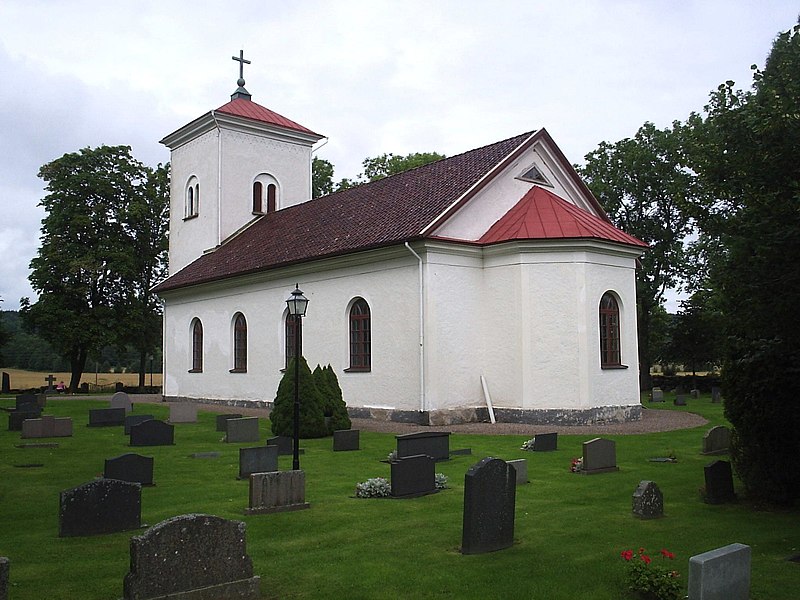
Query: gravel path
[{"x": 653, "y": 420}]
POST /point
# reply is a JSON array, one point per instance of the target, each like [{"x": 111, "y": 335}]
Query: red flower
[
  {"x": 627, "y": 554},
  {"x": 647, "y": 560},
  {"x": 667, "y": 554}
]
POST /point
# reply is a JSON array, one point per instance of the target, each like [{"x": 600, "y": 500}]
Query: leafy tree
[
  {"x": 3, "y": 335},
  {"x": 392, "y": 164},
  {"x": 643, "y": 185},
  {"x": 696, "y": 333},
  {"x": 321, "y": 177},
  {"x": 88, "y": 236},
  {"x": 312, "y": 419},
  {"x": 746, "y": 149}
]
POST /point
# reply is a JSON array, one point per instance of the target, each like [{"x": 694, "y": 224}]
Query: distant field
[{"x": 21, "y": 380}]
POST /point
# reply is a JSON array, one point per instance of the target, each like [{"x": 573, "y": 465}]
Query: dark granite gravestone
[
  {"x": 277, "y": 491},
  {"x": 721, "y": 574},
  {"x": 717, "y": 440},
  {"x": 545, "y": 442},
  {"x": 599, "y": 456},
  {"x": 719, "y": 482},
  {"x": 132, "y": 420},
  {"x": 130, "y": 467},
  {"x": 657, "y": 395},
  {"x": 221, "y": 419},
  {"x": 489, "y": 495},
  {"x": 47, "y": 426},
  {"x": 106, "y": 417},
  {"x": 241, "y": 430},
  {"x": 261, "y": 459},
  {"x": 84, "y": 388},
  {"x": 23, "y": 399},
  {"x": 680, "y": 400},
  {"x": 5, "y": 388},
  {"x": 284, "y": 443},
  {"x": 345, "y": 440},
  {"x": 100, "y": 506},
  {"x": 4, "y": 569},
  {"x": 182, "y": 412},
  {"x": 18, "y": 415},
  {"x": 648, "y": 501},
  {"x": 201, "y": 557},
  {"x": 153, "y": 433},
  {"x": 121, "y": 400},
  {"x": 119, "y": 387},
  {"x": 521, "y": 469},
  {"x": 716, "y": 394},
  {"x": 413, "y": 476},
  {"x": 435, "y": 444}
]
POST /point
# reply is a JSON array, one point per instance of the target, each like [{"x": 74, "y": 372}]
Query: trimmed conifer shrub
[
  {"x": 312, "y": 419},
  {"x": 333, "y": 407}
]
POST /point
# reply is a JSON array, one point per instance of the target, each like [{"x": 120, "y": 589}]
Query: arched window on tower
[
  {"x": 265, "y": 194},
  {"x": 610, "y": 351},
  {"x": 258, "y": 197},
  {"x": 239, "y": 344},
  {"x": 192, "y": 203},
  {"x": 360, "y": 337},
  {"x": 197, "y": 347},
  {"x": 272, "y": 191}
]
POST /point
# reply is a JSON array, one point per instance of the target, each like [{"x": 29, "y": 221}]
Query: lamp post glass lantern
[{"x": 297, "y": 304}]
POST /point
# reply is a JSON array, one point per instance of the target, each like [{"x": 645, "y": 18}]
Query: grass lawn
[{"x": 570, "y": 529}]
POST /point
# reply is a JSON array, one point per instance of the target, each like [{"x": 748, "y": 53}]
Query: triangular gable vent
[{"x": 534, "y": 175}]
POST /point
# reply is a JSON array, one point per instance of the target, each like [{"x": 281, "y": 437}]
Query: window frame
[
  {"x": 239, "y": 343},
  {"x": 191, "y": 208},
  {"x": 197, "y": 346},
  {"x": 609, "y": 332},
  {"x": 359, "y": 336}
]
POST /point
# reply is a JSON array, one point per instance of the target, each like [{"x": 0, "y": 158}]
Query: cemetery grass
[{"x": 570, "y": 528}]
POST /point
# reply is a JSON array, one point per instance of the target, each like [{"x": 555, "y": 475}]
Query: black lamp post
[{"x": 297, "y": 304}]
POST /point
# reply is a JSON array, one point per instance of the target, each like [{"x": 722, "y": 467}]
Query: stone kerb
[{"x": 193, "y": 556}]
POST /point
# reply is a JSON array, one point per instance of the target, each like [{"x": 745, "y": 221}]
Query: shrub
[
  {"x": 650, "y": 581},
  {"x": 377, "y": 487},
  {"x": 333, "y": 406},
  {"x": 312, "y": 419}
]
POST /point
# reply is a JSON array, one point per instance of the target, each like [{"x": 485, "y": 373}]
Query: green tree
[
  {"x": 392, "y": 164},
  {"x": 746, "y": 149},
  {"x": 312, "y": 419},
  {"x": 321, "y": 177},
  {"x": 695, "y": 333},
  {"x": 3, "y": 335},
  {"x": 643, "y": 185},
  {"x": 333, "y": 406},
  {"x": 85, "y": 255}
]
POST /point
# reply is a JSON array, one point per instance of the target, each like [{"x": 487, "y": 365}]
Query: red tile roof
[
  {"x": 540, "y": 214},
  {"x": 250, "y": 110}
]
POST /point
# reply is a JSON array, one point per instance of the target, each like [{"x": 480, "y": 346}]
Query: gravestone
[
  {"x": 599, "y": 456},
  {"x": 5, "y": 388},
  {"x": 721, "y": 574},
  {"x": 132, "y": 420},
  {"x": 261, "y": 459},
  {"x": 242, "y": 430},
  {"x": 222, "y": 418},
  {"x": 17, "y": 416},
  {"x": 197, "y": 557},
  {"x": 521, "y": 469},
  {"x": 277, "y": 491},
  {"x": 717, "y": 440},
  {"x": 719, "y": 482},
  {"x": 545, "y": 442},
  {"x": 346, "y": 439},
  {"x": 657, "y": 395},
  {"x": 716, "y": 394},
  {"x": 413, "y": 476},
  {"x": 130, "y": 467},
  {"x": 47, "y": 426},
  {"x": 694, "y": 393},
  {"x": 680, "y": 400},
  {"x": 4, "y": 569},
  {"x": 489, "y": 495},
  {"x": 50, "y": 381},
  {"x": 284, "y": 443},
  {"x": 84, "y": 388},
  {"x": 100, "y": 506},
  {"x": 27, "y": 398},
  {"x": 121, "y": 400},
  {"x": 106, "y": 417},
  {"x": 648, "y": 501},
  {"x": 435, "y": 444},
  {"x": 205, "y": 455},
  {"x": 182, "y": 412},
  {"x": 153, "y": 433},
  {"x": 119, "y": 387}
]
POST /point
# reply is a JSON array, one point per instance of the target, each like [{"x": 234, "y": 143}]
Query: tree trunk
[
  {"x": 643, "y": 336},
  {"x": 142, "y": 368},
  {"x": 77, "y": 363}
]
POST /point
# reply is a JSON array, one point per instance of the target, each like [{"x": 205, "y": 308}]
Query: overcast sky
[{"x": 373, "y": 76}]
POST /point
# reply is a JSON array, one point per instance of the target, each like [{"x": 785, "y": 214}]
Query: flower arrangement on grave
[
  {"x": 377, "y": 487},
  {"x": 440, "y": 479},
  {"x": 650, "y": 581},
  {"x": 576, "y": 465},
  {"x": 392, "y": 456},
  {"x": 527, "y": 445}
]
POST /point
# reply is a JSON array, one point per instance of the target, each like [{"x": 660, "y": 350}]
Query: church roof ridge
[{"x": 247, "y": 109}]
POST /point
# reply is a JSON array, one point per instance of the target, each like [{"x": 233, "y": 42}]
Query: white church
[{"x": 488, "y": 279}]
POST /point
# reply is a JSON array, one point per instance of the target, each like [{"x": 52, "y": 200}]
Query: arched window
[
  {"x": 272, "y": 191},
  {"x": 294, "y": 329},
  {"x": 239, "y": 344},
  {"x": 197, "y": 347},
  {"x": 192, "y": 198},
  {"x": 360, "y": 336},
  {"x": 609, "y": 331},
  {"x": 258, "y": 195}
]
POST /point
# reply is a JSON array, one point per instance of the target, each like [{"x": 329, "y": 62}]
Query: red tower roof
[{"x": 248, "y": 109}]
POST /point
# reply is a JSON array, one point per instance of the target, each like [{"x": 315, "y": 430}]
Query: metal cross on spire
[{"x": 242, "y": 62}]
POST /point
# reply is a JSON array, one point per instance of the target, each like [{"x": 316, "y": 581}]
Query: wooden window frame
[
  {"x": 610, "y": 344},
  {"x": 197, "y": 347},
  {"x": 239, "y": 344},
  {"x": 359, "y": 337}
]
